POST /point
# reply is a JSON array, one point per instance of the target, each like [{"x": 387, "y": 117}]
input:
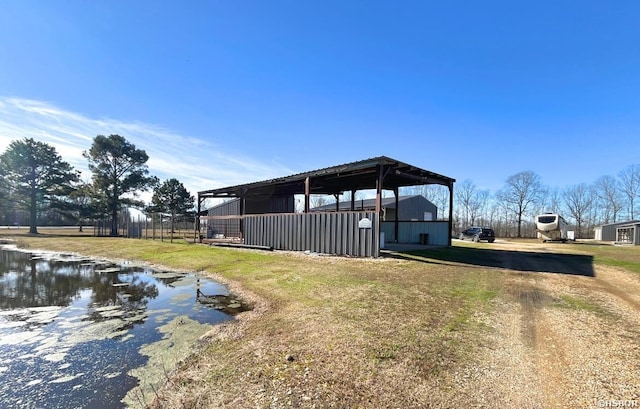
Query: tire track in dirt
[
  {"x": 571, "y": 364},
  {"x": 564, "y": 333},
  {"x": 617, "y": 284},
  {"x": 544, "y": 352}
]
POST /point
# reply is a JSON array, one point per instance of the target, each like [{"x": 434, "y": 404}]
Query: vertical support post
[
  {"x": 171, "y": 227},
  {"x": 450, "y": 213},
  {"x": 353, "y": 200},
  {"x": 337, "y": 196},
  {"x": 379, "y": 190},
  {"x": 396, "y": 223},
  {"x": 242, "y": 211},
  {"x": 307, "y": 192},
  {"x": 197, "y": 223},
  {"x": 376, "y": 221}
]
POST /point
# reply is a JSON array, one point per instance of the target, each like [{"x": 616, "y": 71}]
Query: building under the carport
[{"x": 265, "y": 211}]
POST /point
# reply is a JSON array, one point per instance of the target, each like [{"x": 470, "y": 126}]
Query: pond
[{"x": 78, "y": 332}]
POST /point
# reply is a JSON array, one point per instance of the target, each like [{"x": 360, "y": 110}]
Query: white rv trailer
[{"x": 551, "y": 227}]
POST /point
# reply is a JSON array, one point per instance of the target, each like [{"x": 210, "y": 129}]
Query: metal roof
[
  {"x": 631, "y": 223},
  {"x": 389, "y": 202},
  {"x": 358, "y": 175},
  {"x": 616, "y": 224}
]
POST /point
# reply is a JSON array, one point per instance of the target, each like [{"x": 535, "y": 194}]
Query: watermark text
[{"x": 615, "y": 403}]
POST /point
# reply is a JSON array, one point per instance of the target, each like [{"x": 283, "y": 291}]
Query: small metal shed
[{"x": 609, "y": 232}]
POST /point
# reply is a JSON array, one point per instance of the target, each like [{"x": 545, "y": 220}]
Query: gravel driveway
[{"x": 566, "y": 334}]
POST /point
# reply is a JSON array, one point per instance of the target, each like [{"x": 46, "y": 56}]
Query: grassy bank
[
  {"x": 409, "y": 331},
  {"x": 337, "y": 331}
]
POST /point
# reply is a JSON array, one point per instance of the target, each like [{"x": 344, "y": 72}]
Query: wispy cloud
[{"x": 199, "y": 164}]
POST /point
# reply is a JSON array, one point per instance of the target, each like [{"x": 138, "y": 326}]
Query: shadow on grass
[{"x": 543, "y": 262}]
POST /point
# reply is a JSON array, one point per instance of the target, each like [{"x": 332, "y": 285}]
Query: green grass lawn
[{"x": 363, "y": 332}]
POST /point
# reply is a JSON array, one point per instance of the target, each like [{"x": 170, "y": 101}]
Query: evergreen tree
[
  {"x": 33, "y": 176},
  {"x": 119, "y": 173},
  {"x": 172, "y": 197}
]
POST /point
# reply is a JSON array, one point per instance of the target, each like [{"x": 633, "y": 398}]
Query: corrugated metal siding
[
  {"x": 231, "y": 227},
  {"x": 409, "y": 232},
  {"x": 276, "y": 204},
  {"x": 228, "y": 208},
  {"x": 225, "y": 227},
  {"x": 414, "y": 208},
  {"x": 609, "y": 231},
  {"x": 255, "y": 206},
  {"x": 328, "y": 233}
]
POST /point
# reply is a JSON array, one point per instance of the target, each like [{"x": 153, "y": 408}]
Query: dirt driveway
[{"x": 566, "y": 333}]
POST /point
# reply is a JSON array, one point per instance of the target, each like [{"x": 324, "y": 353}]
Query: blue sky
[{"x": 220, "y": 93}]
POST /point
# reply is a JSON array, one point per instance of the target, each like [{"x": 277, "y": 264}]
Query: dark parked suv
[{"x": 477, "y": 234}]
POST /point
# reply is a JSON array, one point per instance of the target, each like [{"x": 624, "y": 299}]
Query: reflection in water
[{"x": 71, "y": 328}]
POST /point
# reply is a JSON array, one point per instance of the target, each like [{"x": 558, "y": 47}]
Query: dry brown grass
[
  {"x": 332, "y": 332},
  {"x": 358, "y": 333}
]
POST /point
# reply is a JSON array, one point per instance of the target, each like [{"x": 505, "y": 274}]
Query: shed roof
[
  {"x": 631, "y": 223},
  {"x": 389, "y": 202},
  {"x": 627, "y": 222},
  {"x": 358, "y": 175}
]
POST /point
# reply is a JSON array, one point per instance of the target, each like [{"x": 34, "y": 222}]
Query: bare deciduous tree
[
  {"x": 610, "y": 198},
  {"x": 320, "y": 200},
  {"x": 465, "y": 197},
  {"x": 520, "y": 192},
  {"x": 551, "y": 201},
  {"x": 579, "y": 199},
  {"x": 630, "y": 186}
]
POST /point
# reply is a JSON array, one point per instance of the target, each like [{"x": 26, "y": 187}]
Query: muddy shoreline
[
  {"x": 182, "y": 338},
  {"x": 230, "y": 330}
]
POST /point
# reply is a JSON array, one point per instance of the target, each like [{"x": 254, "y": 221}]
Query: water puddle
[{"x": 76, "y": 332}]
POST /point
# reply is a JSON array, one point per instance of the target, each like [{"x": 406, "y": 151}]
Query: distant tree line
[
  {"x": 37, "y": 187},
  {"x": 510, "y": 211}
]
